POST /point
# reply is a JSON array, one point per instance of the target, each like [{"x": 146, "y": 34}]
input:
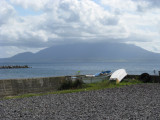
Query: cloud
[
  {"x": 147, "y": 5},
  {"x": 150, "y": 3},
  {"x": 71, "y": 21},
  {"x": 120, "y": 5},
  {"x": 31, "y": 4},
  {"x": 65, "y": 19},
  {"x": 6, "y": 12}
]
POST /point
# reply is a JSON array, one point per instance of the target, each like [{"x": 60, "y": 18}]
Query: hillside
[{"x": 83, "y": 51}]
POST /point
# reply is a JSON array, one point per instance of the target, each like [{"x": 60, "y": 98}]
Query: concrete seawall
[{"x": 10, "y": 87}]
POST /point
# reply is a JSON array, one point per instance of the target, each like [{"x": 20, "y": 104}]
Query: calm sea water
[{"x": 71, "y": 68}]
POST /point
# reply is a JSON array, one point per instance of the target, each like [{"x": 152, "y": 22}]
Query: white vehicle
[{"x": 118, "y": 75}]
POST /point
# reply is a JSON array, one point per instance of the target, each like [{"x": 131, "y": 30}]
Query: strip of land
[{"x": 14, "y": 66}]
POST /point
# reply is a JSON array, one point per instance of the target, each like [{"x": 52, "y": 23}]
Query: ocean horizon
[{"x": 71, "y": 68}]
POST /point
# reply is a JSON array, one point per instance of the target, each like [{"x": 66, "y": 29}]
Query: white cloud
[
  {"x": 146, "y": 45},
  {"x": 66, "y": 21},
  {"x": 6, "y": 12},
  {"x": 149, "y": 3},
  {"x": 34, "y": 4},
  {"x": 120, "y": 5}
]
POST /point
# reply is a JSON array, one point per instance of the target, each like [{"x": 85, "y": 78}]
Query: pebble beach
[{"x": 141, "y": 101}]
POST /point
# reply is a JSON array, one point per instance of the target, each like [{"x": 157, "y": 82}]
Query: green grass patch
[{"x": 85, "y": 87}]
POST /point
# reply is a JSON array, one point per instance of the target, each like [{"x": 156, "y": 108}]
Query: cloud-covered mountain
[
  {"x": 32, "y": 25},
  {"x": 89, "y": 52}
]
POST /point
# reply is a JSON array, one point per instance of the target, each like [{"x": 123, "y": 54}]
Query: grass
[{"x": 85, "y": 87}]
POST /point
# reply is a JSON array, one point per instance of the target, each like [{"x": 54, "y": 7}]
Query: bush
[
  {"x": 66, "y": 85},
  {"x": 77, "y": 83},
  {"x": 145, "y": 77},
  {"x": 69, "y": 84}
]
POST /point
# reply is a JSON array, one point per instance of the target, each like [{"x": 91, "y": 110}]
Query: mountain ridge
[{"x": 86, "y": 51}]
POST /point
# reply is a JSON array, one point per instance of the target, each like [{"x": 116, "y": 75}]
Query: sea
[{"x": 74, "y": 68}]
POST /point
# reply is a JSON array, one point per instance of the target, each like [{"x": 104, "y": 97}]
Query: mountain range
[{"x": 86, "y": 52}]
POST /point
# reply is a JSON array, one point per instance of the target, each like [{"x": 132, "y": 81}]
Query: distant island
[{"x": 12, "y": 67}]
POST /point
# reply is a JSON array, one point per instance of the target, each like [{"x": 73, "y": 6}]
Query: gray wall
[
  {"x": 35, "y": 85},
  {"x": 32, "y": 85}
]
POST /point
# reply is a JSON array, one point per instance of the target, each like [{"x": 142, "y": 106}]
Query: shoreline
[
  {"x": 128, "y": 76},
  {"x": 9, "y": 87}
]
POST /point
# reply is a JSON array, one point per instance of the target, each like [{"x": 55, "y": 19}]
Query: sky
[{"x": 33, "y": 25}]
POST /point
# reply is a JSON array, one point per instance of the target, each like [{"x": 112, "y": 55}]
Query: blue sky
[
  {"x": 21, "y": 11},
  {"x": 32, "y": 25},
  {"x": 25, "y": 12}
]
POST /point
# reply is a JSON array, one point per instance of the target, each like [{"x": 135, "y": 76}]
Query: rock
[{"x": 130, "y": 102}]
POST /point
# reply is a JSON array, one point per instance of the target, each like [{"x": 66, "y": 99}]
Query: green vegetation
[
  {"x": 107, "y": 84},
  {"x": 82, "y": 87},
  {"x": 78, "y": 72}
]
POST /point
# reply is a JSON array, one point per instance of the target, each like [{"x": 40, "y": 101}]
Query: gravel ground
[{"x": 131, "y": 102}]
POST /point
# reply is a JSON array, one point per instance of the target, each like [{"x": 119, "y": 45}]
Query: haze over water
[{"x": 71, "y": 68}]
